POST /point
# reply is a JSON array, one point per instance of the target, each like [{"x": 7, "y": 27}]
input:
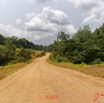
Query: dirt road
[{"x": 40, "y": 82}]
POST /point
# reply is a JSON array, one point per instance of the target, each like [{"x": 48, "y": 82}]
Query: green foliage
[
  {"x": 83, "y": 35},
  {"x": 60, "y": 46},
  {"x": 23, "y": 55},
  {"x": 7, "y": 53},
  {"x": 83, "y": 47},
  {"x": 97, "y": 61},
  {"x": 21, "y": 43},
  {"x": 1, "y": 39},
  {"x": 14, "y": 50}
]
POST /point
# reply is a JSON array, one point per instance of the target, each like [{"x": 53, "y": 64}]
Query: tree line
[
  {"x": 20, "y": 43},
  {"x": 84, "y": 46},
  {"x": 14, "y": 50}
]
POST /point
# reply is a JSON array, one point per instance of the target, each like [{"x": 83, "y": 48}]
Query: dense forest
[
  {"x": 84, "y": 46},
  {"x": 14, "y": 50}
]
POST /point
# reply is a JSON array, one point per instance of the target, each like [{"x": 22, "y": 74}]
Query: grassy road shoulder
[
  {"x": 9, "y": 69},
  {"x": 94, "y": 70}
]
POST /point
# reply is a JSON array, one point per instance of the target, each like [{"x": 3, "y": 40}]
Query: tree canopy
[
  {"x": 84, "y": 47},
  {"x": 14, "y": 50}
]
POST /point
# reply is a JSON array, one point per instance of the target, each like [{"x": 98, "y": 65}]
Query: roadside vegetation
[
  {"x": 96, "y": 70},
  {"x": 16, "y": 53},
  {"x": 84, "y": 51},
  {"x": 13, "y": 67},
  {"x": 9, "y": 69},
  {"x": 84, "y": 47}
]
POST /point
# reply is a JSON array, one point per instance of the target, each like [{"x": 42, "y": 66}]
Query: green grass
[
  {"x": 9, "y": 69},
  {"x": 94, "y": 70}
]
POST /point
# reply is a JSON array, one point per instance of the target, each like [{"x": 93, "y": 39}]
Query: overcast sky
[{"x": 40, "y": 21}]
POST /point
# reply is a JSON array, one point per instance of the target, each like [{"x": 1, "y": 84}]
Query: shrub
[{"x": 97, "y": 61}]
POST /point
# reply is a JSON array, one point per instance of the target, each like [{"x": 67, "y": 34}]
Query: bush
[
  {"x": 61, "y": 59},
  {"x": 24, "y": 55},
  {"x": 97, "y": 61},
  {"x": 78, "y": 58}
]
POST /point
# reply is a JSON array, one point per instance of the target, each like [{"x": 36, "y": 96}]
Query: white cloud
[
  {"x": 98, "y": 9},
  {"x": 55, "y": 16},
  {"x": 9, "y": 30},
  {"x": 84, "y": 4},
  {"x": 94, "y": 21},
  {"x": 40, "y": 26},
  {"x": 30, "y": 15},
  {"x": 71, "y": 29},
  {"x": 95, "y": 17},
  {"x": 49, "y": 20},
  {"x": 94, "y": 13},
  {"x": 37, "y": 1},
  {"x": 90, "y": 19},
  {"x": 18, "y": 21},
  {"x": 37, "y": 37},
  {"x": 101, "y": 18}
]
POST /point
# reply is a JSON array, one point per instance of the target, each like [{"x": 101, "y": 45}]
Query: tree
[
  {"x": 84, "y": 47},
  {"x": 83, "y": 35},
  {"x": 62, "y": 40},
  {"x": 1, "y": 39}
]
